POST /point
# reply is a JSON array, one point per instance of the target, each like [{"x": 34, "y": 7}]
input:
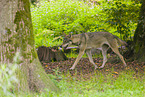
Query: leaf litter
[{"x": 85, "y": 69}]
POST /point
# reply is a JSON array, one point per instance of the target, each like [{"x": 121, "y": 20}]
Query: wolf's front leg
[
  {"x": 81, "y": 52},
  {"x": 90, "y": 58}
]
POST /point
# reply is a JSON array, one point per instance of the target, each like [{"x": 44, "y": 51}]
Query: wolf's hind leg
[
  {"x": 104, "y": 53},
  {"x": 90, "y": 58}
]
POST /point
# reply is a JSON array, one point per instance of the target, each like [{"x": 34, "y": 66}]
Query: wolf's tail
[{"x": 121, "y": 42}]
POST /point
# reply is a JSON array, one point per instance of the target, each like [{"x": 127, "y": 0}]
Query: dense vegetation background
[{"x": 54, "y": 18}]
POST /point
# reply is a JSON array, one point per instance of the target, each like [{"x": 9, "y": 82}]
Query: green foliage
[
  {"x": 123, "y": 16},
  {"x": 62, "y": 16},
  {"x": 53, "y": 19},
  {"x": 8, "y": 79},
  {"x": 47, "y": 38}
]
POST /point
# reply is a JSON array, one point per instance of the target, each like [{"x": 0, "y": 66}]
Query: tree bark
[
  {"x": 16, "y": 35},
  {"x": 139, "y": 36},
  {"x": 50, "y": 54}
]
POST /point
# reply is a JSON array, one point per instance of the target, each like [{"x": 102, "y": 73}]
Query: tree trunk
[
  {"x": 16, "y": 35},
  {"x": 49, "y": 54},
  {"x": 139, "y": 36}
]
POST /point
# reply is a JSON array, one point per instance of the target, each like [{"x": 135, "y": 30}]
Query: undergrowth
[{"x": 125, "y": 83}]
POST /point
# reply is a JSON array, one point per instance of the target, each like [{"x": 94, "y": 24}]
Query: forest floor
[{"x": 85, "y": 69}]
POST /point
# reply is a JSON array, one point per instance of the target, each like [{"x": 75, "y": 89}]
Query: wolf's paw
[
  {"x": 96, "y": 67},
  {"x": 72, "y": 68},
  {"x": 101, "y": 67},
  {"x": 125, "y": 65}
]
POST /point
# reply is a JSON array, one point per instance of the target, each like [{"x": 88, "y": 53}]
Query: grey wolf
[{"x": 91, "y": 40}]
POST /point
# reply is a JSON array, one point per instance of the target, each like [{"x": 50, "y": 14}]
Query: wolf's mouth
[{"x": 66, "y": 45}]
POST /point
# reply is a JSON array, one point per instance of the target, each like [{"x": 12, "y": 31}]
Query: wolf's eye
[{"x": 66, "y": 40}]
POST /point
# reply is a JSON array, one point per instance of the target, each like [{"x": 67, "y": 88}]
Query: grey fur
[{"x": 91, "y": 40}]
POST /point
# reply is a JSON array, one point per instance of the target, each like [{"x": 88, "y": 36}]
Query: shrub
[
  {"x": 123, "y": 16},
  {"x": 53, "y": 19},
  {"x": 62, "y": 16}
]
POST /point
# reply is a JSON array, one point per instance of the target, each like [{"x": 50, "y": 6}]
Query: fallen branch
[
  {"x": 69, "y": 48},
  {"x": 123, "y": 47}
]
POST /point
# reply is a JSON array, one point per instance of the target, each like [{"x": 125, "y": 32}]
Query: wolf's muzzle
[{"x": 66, "y": 45}]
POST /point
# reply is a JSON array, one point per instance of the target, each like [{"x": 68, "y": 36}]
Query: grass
[
  {"x": 126, "y": 83},
  {"x": 111, "y": 84}
]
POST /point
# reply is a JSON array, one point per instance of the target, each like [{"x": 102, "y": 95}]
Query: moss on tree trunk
[
  {"x": 17, "y": 36},
  {"x": 139, "y": 36}
]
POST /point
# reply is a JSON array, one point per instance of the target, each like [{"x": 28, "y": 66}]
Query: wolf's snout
[{"x": 63, "y": 46}]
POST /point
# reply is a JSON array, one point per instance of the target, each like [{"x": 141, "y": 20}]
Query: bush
[
  {"x": 53, "y": 19},
  {"x": 62, "y": 16},
  {"x": 123, "y": 16}
]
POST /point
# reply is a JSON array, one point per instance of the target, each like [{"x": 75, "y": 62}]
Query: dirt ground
[{"x": 85, "y": 68}]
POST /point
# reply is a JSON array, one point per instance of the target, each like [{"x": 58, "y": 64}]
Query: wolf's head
[{"x": 66, "y": 41}]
